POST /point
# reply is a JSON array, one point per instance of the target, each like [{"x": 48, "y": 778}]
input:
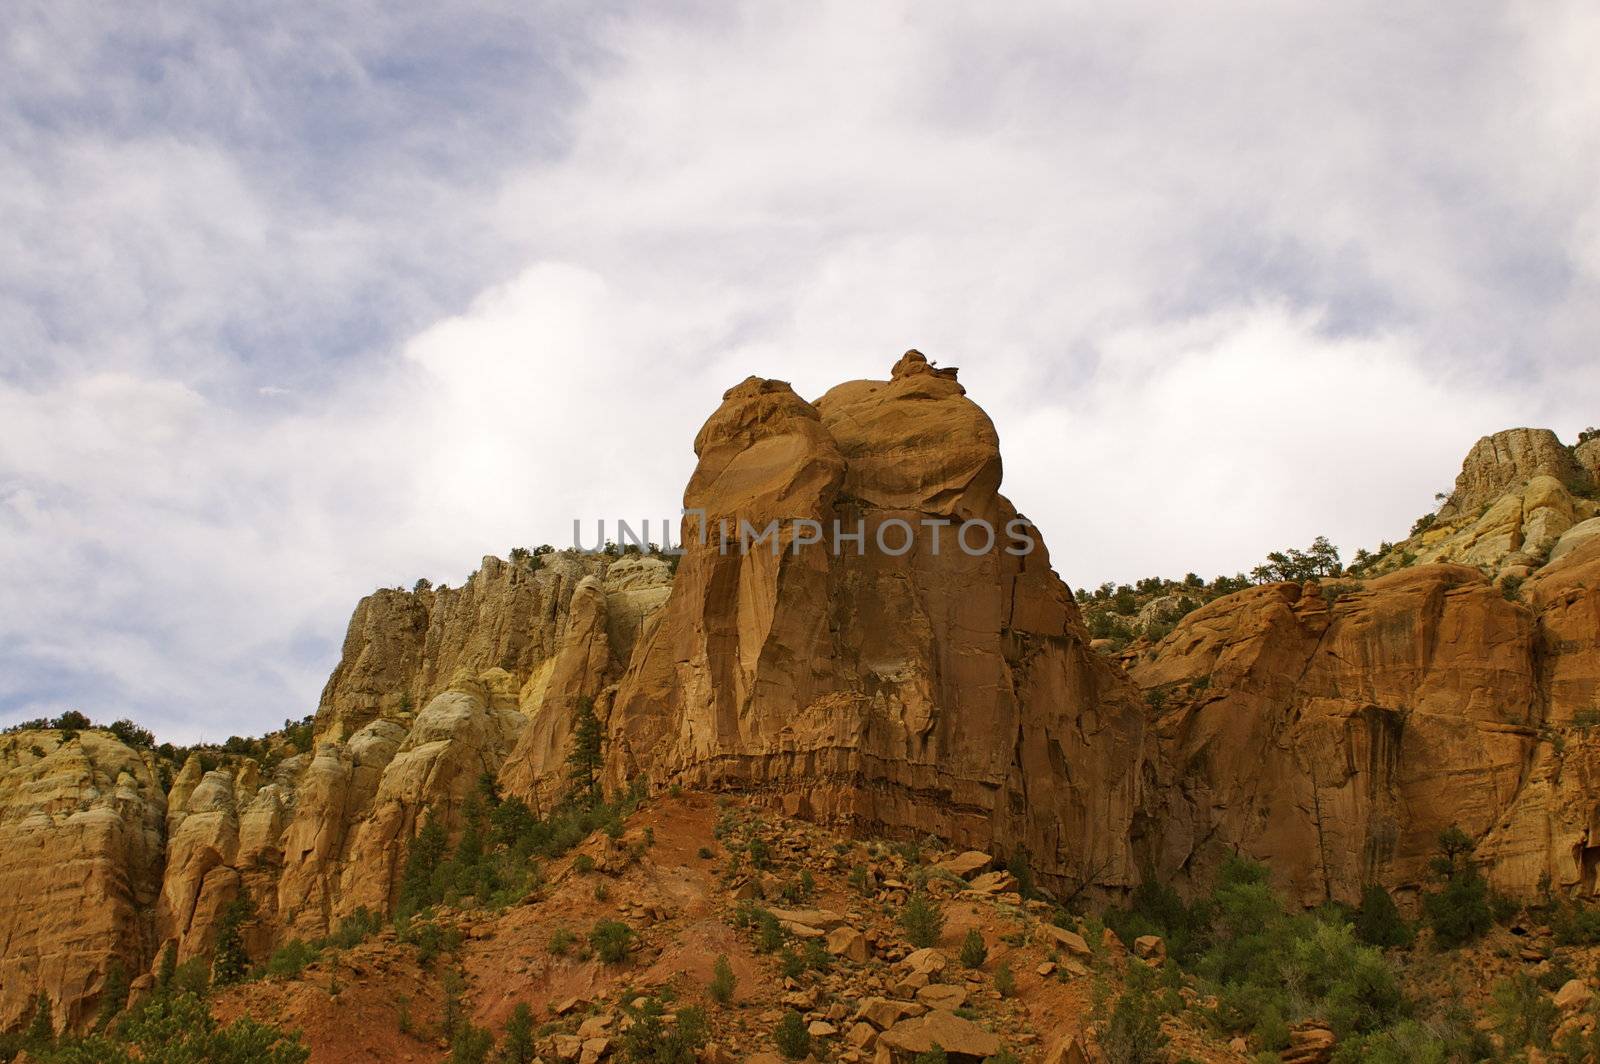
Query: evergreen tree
[
  {"x": 168, "y": 967},
  {"x": 583, "y": 763},
  {"x": 232, "y": 962},
  {"x": 517, "y": 1046},
  {"x": 113, "y": 994},
  {"x": 423, "y": 858},
  {"x": 41, "y": 1032}
]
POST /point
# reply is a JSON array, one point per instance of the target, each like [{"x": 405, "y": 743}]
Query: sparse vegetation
[
  {"x": 791, "y": 1036},
  {"x": 922, "y": 919},
  {"x": 610, "y": 940},
  {"x": 1459, "y": 912},
  {"x": 973, "y": 950},
  {"x": 723, "y": 981}
]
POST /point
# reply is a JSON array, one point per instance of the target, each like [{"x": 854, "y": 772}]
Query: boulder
[
  {"x": 1068, "y": 1050},
  {"x": 881, "y": 1012},
  {"x": 966, "y": 865},
  {"x": 1573, "y": 995},
  {"x": 1060, "y": 937},
  {"x": 1149, "y": 947},
  {"x": 942, "y": 996},
  {"x": 1000, "y": 882},
  {"x": 927, "y": 962},
  {"x": 850, "y": 944},
  {"x": 960, "y": 1038}
]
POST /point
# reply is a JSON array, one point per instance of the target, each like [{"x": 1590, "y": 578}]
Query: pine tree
[
  {"x": 517, "y": 1047},
  {"x": 113, "y": 994},
  {"x": 168, "y": 967},
  {"x": 41, "y": 1033},
  {"x": 231, "y": 961},
  {"x": 423, "y": 858},
  {"x": 583, "y": 763}
]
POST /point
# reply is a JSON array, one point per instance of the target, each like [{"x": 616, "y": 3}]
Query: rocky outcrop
[
  {"x": 864, "y": 631},
  {"x": 1508, "y": 460},
  {"x": 462, "y": 734},
  {"x": 1334, "y": 731},
  {"x": 403, "y": 648},
  {"x": 1587, "y": 454},
  {"x": 80, "y": 867},
  {"x": 1334, "y": 736},
  {"x": 920, "y": 688},
  {"x": 328, "y": 832},
  {"x": 1522, "y": 498}
]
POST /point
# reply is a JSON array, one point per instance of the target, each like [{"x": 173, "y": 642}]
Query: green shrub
[
  {"x": 1574, "y": 924},
  {"x": 290, "y": 959},
  {"x": 585, "y": 759},
  {"x": 610, "y": 940},
  {"x": 935, "y": 1055},
  {"x": 562, "y": 941},
  {"x": 791, "y": 964},
  {"x": 722, "y": 981},
  {"x": 231, "y": 963},
  {"x": 113, "y": 994},
  {"x": 470, "y": 1045},
  {"x": 922, "y": 920},
  {"x": 1378, "y": 921},
  {"x": 1459, "y": 912},
  {"x": 1522, "y": 1013},
  {"x": 356, "y": 928},
  {"x": 973, "y": 951},
  {"x": 1407, "y": 1042},
  {"x": 517, "y": 1041},
  {"x": 1020, "y": 864},
  {"x": 769, "y": 932},
  {"x": 760, "y": 854},
  {"x": 791, "y": 1036},
  {"x": 649, "y": 1039},
  {"x": 1133, "y": 1033},
  {"x": 177, "y": 1027},
  {"x": 1005, "y": 984}
]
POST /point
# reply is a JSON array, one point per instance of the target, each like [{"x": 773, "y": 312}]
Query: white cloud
[{"x": 335, "y": 303}]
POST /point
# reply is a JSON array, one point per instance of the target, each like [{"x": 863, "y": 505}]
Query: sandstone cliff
[
  {"x": 434, "y": 689},
  {"x": 931, "y": 691},
  {"x": 1333, "y": 731},
  {"x": 80, "y": 867},
  {"x": 1329, "y": 729},
  {"x": 1521, "y": 499}
]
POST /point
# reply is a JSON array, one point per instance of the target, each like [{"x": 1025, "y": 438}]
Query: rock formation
[
  {"x": 892, "y": 661},
  {"x": 930, "y": 691},
  {"x": 1522, "y": 497},
  {"x": 1333, "y": 731},
  {"x": 80, "y": 868},
  {"x": 1507, "y": 460}
]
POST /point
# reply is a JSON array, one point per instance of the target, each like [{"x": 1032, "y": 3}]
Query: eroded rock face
[
  {"x": 1507, "y": 460},
  {"x": 403, "y": 648},
  {"x": 80, "y": 865},
  {"x": 928, "y": 691},
  {"x": 1334, "y": 736},
  {"x": 461, "y": 734},
  {"x": 1334, "y": 740}
]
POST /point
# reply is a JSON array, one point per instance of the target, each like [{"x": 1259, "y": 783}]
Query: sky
[{"x": 302, "y": 299}]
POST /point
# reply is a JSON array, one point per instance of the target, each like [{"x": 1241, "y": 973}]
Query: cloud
[{"x": 303, "y": 302}]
